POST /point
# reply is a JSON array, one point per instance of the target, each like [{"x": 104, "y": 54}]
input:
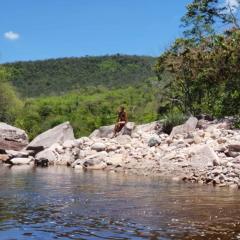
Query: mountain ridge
[{"x": 60, "y": 75}]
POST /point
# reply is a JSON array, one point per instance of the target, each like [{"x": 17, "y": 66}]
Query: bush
[
  {"x": 172, "y": 119},
  {"x": 237, "y": 122},
  {"x": 10, "y": 105}
]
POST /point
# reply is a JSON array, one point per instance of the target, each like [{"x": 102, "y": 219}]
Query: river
[{"x": 62, "y": 203}]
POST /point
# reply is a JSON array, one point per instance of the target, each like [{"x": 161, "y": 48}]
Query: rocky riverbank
[{"x": 206, "y": 152}]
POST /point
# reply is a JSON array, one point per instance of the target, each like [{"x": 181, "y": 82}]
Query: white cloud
[
  {"x": 233, "y": 4},
  {"x": 11, "y": 35}
]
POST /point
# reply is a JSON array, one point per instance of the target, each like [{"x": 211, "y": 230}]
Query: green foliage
[
  {"x": 237, "y": 122},
  {"x": 173, "y": 118},
  {"x": 59, "y": 76},
  {"x": 205, "y": 77},
  {"x": 203, "y": 17},
  {"x": 10, "y": 105},
  {"x": 88, "y": 111}
]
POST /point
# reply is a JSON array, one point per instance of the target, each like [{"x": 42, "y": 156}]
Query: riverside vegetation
[
  {"x": 199, "y": 73},
  {"x": 87, "y": 94}
]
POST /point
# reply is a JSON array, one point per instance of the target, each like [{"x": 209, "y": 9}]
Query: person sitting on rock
[{"x": 121, "y": 120}]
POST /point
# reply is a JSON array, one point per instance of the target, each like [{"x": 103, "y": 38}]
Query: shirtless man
[{"x": 121, "y": 121}]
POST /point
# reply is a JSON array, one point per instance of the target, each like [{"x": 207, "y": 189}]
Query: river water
[{"x": 62, "y": 203}]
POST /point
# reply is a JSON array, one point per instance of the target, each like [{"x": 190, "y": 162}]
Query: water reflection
[{"x": 60, "y": 203}]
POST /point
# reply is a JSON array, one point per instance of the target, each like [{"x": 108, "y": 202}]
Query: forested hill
[{"x": 57, "y": 76}]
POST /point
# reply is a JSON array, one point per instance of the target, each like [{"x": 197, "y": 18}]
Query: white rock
[
  {"x": 103, "y": 132},
  {"x": 188, "y": 126},
  {"x": 123, "y": 139},
  {"x": 79, "y": 142},
  {"x": 148, "y": 128},
  {"x": 203, "y": 156},
  {"x": 96, "y": 161},
  {"x": 70, "y": 144},
  {"x": 50, "y": 154},
  {"x": 21, "y": 161},
  {"x": 115, "y": 159},
  {"x": 78, "y": 167},
  {"x": 99, "y": 146},
  {"x": 197, "y": 139},
  {"x": 17, "y": 154},
  {"x": 214, "y": 132},
  {"x": 98, "y": 166},
  {"x": 78, "y": 162}
]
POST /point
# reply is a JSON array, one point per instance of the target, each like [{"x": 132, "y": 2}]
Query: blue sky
[{"x": 41, "y": 29}]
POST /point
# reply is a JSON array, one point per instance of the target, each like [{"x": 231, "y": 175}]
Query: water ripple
[{"x": 59, "y": 203}]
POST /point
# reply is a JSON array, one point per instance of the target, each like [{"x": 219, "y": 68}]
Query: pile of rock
[
  {"x": 54, "y": 146},
  {"x": 202, "y": 151}
]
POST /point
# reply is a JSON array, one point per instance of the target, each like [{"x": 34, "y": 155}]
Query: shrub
[{"x": 172, "y": 119}]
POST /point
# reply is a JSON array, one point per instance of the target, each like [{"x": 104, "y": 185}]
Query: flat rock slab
[
  {"x": 58, "y": 134},
  {"x": 21, "y": 161},
  {"x": 17, "y": 154}
]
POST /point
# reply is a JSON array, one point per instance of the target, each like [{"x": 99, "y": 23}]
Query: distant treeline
[{"x": 58, "y": 76}]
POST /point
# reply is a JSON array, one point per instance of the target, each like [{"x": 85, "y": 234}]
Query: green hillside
[
  {"x": 58, "y": 76},
  {"x": 87, "y": 111}
]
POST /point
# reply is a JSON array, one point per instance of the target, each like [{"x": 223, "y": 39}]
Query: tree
[
  {"x": 9, "y": 103},
  {"x": 203, "y": 17},
  {"x": 205, "y": 77}
]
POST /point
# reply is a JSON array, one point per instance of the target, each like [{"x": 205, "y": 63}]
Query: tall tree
[{"x": 203, "y": 17}]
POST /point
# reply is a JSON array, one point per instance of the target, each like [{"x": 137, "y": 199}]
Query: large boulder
[
  {"x": 107, "y": 131},
  {"x": 103, "y": 132},
  {"x": 189, "y": 126},
  {"x": 12, "y": 138},
  {"x": 50, "y": 154},
  {"x": 96, "y": 161},
  {"x": 56, "y": 156},
  {"x": 58, "y": 134},
  {"x": 202, "y": 157},
  {"x": 128, "y": 128}
]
